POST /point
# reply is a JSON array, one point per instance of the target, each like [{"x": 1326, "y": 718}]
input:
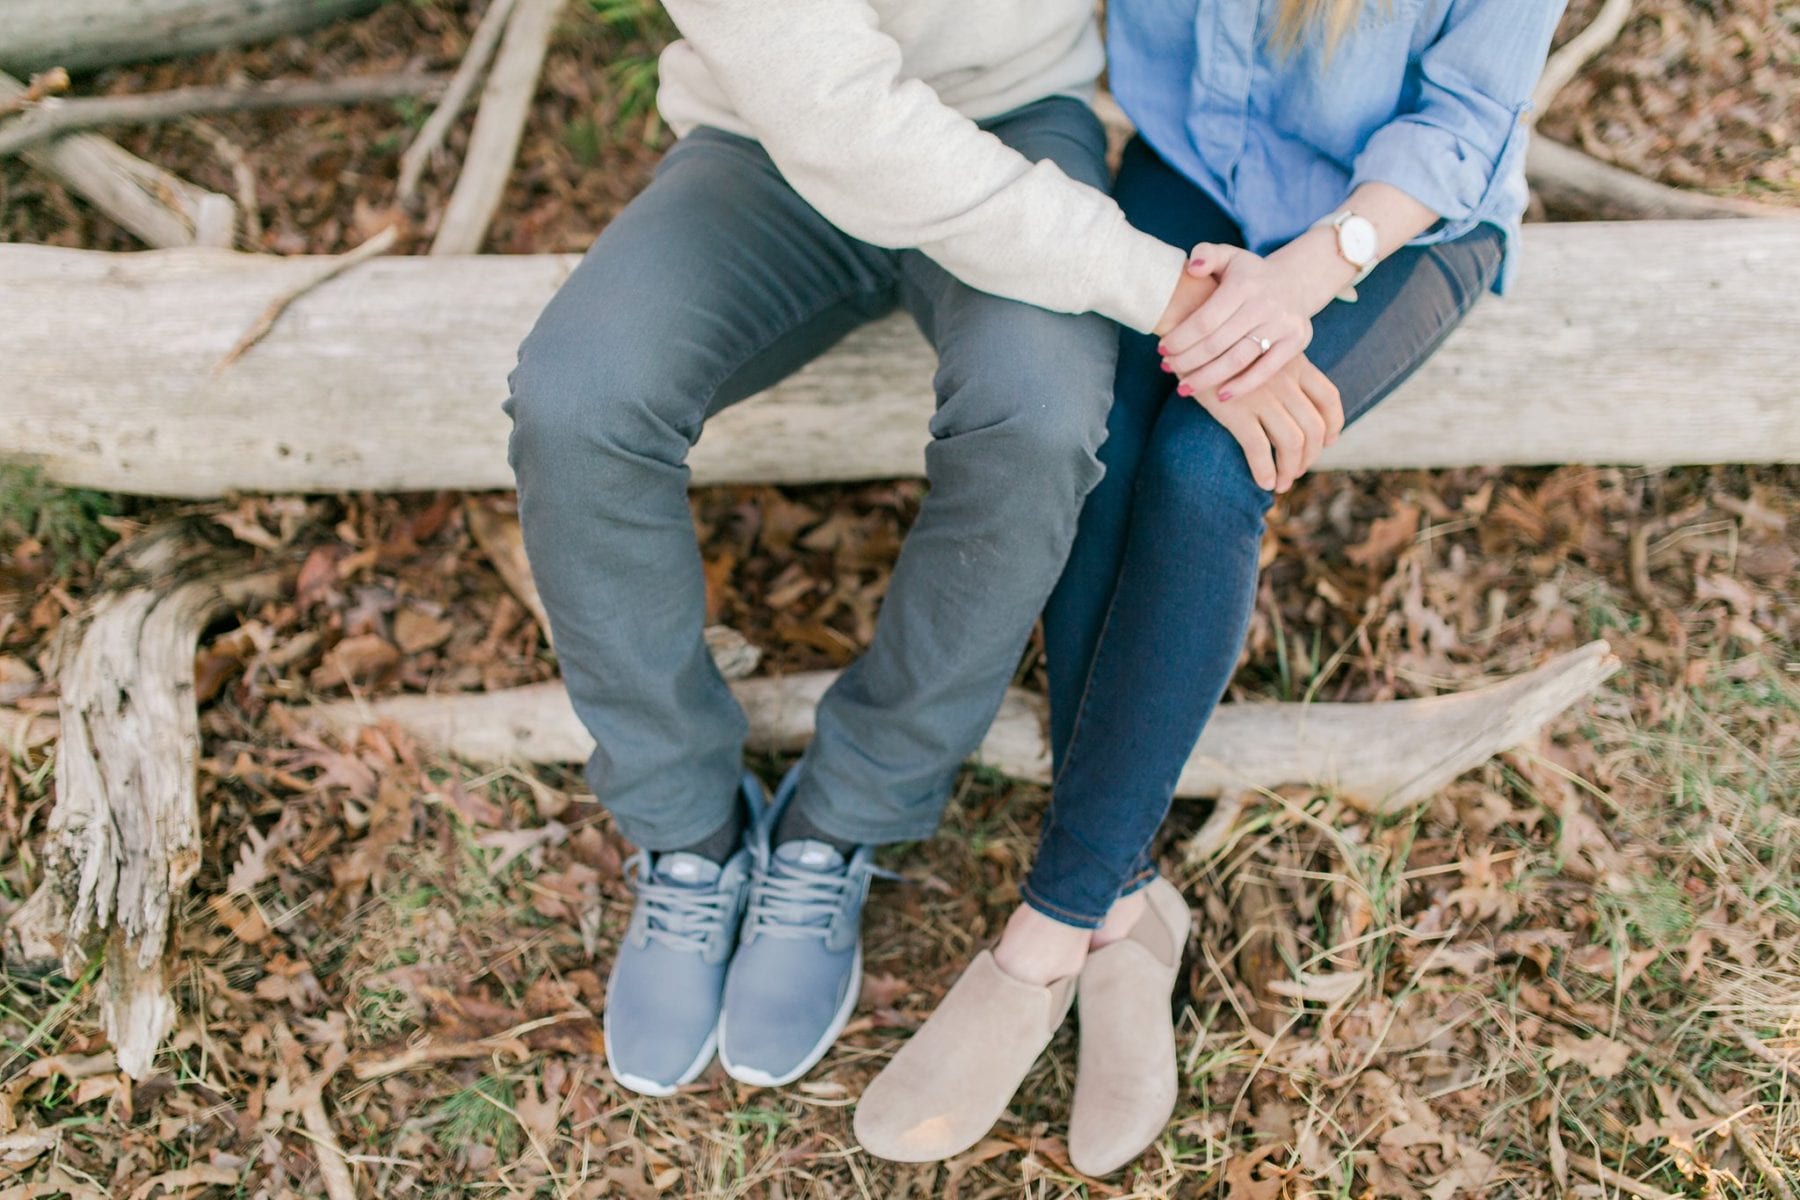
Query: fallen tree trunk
[
  {"x": 1380, "y": 757},
  {"x": 124, "y": 836},
  {"x": 1646, "y": 342},
  {"x": 79, "y": 34}
]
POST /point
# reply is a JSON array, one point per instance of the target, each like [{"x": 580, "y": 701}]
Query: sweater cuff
[{"x": 1134, "y": 277}]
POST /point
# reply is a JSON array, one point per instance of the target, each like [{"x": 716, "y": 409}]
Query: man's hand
[
  {"x": 1283, "y": 425},
  {"x": 1195, "y": 289}
]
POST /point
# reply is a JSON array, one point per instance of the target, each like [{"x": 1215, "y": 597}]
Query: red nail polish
[
  {"x": 1168, "y": 367},
  {"x": 1197, "y": 264},
  {"x": 1185, "y": 390},
  {"x": 1224, "y": 396},
  {"x": 1162, "y": 348}
]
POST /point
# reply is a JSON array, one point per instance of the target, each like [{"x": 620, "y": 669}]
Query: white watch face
[{"x": 1357, "y": 240}]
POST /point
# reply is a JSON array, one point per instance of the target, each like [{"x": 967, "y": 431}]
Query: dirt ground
[{"x": 1574, "y": 972}]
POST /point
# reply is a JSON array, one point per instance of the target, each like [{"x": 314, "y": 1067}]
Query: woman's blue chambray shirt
[{"x": 1429, "y": 96}]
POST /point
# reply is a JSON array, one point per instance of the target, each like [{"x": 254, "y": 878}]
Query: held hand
[
  {"x": 1283, "y": 425},
  {"x": 1220, "y": 348},
  {"x": 1191, "y": 291}
]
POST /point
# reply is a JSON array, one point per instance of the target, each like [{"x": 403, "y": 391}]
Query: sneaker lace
[
  {"x": 791, "y": 901},
  {"x": 678, "y": 917}
]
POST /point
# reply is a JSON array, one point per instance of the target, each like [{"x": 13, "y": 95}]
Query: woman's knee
[{"x": 1194, "y": 469}]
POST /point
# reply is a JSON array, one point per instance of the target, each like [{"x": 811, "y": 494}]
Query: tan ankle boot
[
  {"x": 951, "y": 1081},
  {"x": 1125, "y": 1081}
]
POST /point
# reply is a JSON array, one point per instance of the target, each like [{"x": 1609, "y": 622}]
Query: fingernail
[
  {"x": 1162, "y": 348},
  {"x": 1224, "y": 396},
  {"x": 1195, "y": 264},
  {"x": 1167, "y": 367},
  {"x": 1185, "y": 390}
]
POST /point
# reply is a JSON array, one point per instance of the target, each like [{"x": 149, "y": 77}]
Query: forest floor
[{"x": 1575, "y": 971}]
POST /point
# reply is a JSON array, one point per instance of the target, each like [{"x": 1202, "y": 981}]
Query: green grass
[
  {"x": 66, "y": 521},
  {"x": 482, "y": 1113}
]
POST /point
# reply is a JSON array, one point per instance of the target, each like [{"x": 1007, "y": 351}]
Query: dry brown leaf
[{"x": 1602, "y": 1056}]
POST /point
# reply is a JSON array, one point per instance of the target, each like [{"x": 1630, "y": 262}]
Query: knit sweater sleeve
[{"x": 882, "y": 157}]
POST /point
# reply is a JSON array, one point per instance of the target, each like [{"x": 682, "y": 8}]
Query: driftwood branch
[
  {"x": 56, "y": 117},
  {"x": 1574, "y": 54},
  {"x": 124, "y": 836},
  {"x": 331, "y": 268},
  {"x": 431, "y": 136},
  {"x": 1377, "y": 756},
  {"x": 1644, "y": 342},
  {"x": 23, "y": 732},
  {"x": 161, "y": 208},
  {"x": 499, "y": 124},
  {"x": 83, "y": 34},
  {"x": 1571, "y": 181}
]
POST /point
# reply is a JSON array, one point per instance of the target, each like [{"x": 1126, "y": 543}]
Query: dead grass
[{"x": 1583, "y": 959}]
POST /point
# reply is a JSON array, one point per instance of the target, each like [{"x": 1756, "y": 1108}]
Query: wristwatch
[{"x": 1357, "y": 244}]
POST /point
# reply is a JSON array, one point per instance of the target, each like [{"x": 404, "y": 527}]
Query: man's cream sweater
[{"x": 869, "y": 111}]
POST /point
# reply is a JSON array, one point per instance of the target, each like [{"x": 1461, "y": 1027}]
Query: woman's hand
[
  {"x": 1219, "y": 347},
  {"x": 1283, "y": 425}
]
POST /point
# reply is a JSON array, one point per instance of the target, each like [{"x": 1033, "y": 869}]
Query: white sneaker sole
[
  {"x": 758, "y": 1078},
  {"x": 651, "y": 1087}
]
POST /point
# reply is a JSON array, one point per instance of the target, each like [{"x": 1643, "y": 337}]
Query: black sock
[
  {"x": 794, "y": 826},
  {"x": 722, "y": 842}
]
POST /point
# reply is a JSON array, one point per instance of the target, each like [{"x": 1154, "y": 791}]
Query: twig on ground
[
  {"x": 335, "y": 266},
  {"x": 162, "y": 209},
  {"x": 1218, "y": 827},
  {"x": 45, "y": 83},
  {"x": 1760, "y": 1049},
  {"x": 1574, "y": 54},
  {"x": 437, "y": 126},
  {"x": 499, "y": 124},
  {"x": 243, "y": 177},
  {"x": 53, "y": 118},
  {"x": 334, "y": 1168},
  {"x": 1596, "y": 1170},
  {"x": 512, "y": 1040},
  {"x": 1742, "y": 1136}
]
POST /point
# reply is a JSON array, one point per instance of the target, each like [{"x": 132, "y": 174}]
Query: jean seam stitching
[{"x": 1032, "y": 895}]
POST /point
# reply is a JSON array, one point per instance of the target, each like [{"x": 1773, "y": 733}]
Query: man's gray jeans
[{"x": 713, "y": 284}]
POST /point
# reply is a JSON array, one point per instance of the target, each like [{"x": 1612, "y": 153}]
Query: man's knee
[
  {"x": 1035, "y": 404},
  {"x": 606, "y": 396}
]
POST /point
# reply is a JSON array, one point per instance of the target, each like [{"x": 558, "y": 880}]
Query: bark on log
[
  {"x": 124, "y": 836},
  {"x": 79, "y": 34},
  {"x": 1380, "y": 757},
  {"x": 1645, "y": 342}
]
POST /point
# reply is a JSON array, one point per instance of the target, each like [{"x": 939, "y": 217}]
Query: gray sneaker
[
  {"x": 798, "y": 969},
  {"x": 662, "y": 1002}
]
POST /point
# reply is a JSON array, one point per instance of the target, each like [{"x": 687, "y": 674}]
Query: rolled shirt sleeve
[
  {"x": 882, "y": 157},
  {"x": 1465, "y": 131}
]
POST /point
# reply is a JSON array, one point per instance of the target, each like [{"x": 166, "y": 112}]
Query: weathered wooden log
[
  {"x": 1570, "y": 181},
  {"x": 1646, "y": 342},
  {"x": 78, "y": 34},
  {"x": 124, "y": 835},
  {"x": 1380, "y": 757}
]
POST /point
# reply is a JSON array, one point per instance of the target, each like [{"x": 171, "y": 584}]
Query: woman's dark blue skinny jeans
[{"x": 1145, "y": 627}]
